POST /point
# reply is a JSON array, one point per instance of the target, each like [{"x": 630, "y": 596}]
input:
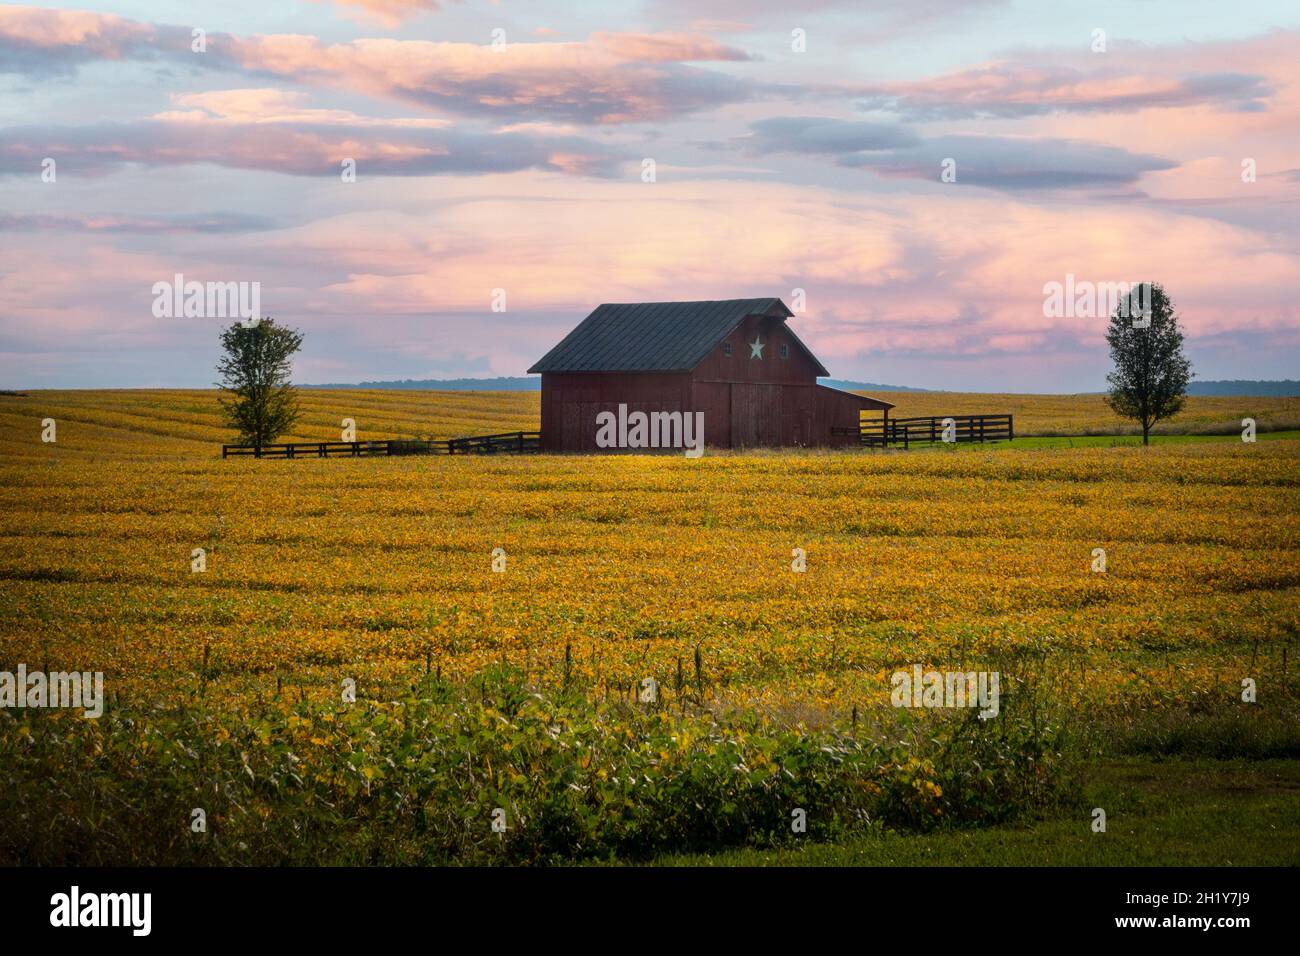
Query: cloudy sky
[{"x": 504, "y": 145}]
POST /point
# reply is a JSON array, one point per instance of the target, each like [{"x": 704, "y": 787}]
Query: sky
[{"x": 908, "y": 174}]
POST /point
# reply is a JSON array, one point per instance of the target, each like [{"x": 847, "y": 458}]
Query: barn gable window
[
  {"x": 726, "y": 349},
  {"x": 785, "y": 350}
]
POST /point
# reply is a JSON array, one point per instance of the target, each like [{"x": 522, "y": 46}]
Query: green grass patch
[{"x": 1158, "y": 813}]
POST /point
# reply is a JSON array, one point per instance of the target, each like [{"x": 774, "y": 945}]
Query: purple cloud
[
  {"x": 1015, "y": 90},
  {"x": 299, "y": 149}
]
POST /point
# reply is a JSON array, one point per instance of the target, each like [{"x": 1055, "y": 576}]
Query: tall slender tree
[
  {"x": 258, "y": 398},
  {"x": 1149, "y": 381}
]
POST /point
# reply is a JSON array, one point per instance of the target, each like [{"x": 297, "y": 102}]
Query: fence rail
[
  {"x": 508, "y": 443},
  {"x": 904, "y": 431}
]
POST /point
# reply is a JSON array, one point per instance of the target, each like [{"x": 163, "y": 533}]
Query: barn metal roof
[
  {"x": 863, "y": 400},
  {"x": 654, "y": 336}
]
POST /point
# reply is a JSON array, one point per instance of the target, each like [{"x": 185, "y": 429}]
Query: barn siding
[
  {"x": 836, "y": 409},
  {"x": 572, "y": 400}
]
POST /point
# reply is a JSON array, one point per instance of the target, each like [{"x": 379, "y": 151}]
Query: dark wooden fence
[
  {"x": 879, "y": 434},
  {"x": 509, "y": 443},
  {"x": 905, "y": 431}
]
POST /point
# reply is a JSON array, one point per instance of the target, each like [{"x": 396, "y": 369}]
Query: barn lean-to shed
[{"x": 734, "y": 360}]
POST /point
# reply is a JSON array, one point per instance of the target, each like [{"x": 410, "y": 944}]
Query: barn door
[{"x": 755, "y": 415}]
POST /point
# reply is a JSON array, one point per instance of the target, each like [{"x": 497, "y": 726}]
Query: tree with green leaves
[
  {"x": 1151, "y": 373},
  {"x": 258, "y": 398}
]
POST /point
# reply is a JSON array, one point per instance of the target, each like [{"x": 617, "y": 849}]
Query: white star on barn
[{"x": 756, "y": 348}]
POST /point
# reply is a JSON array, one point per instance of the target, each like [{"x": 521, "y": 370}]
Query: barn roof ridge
[{"x": 656, "y": 336}]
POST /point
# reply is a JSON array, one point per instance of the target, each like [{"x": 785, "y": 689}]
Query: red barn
[{"x": 734, "y": 360}]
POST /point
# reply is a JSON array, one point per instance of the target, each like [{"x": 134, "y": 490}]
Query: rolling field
[
  {"x": 170, "y": 422},
  {"x": 617, "y": 569}
]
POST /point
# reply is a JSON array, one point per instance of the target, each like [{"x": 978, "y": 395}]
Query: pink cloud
[
  {"x": 610, "y": 78},
  {"x": 389, "y": 12},
  {"x": 101, "y": 34},
  {"x": 665, "y": 47},
  {"x": 1244, "y": 75},
  {"x": 296, "y": 141},
  {"x": 38, "y": 41},
  {"x": 1011, "y": 89},
  {"x": 273, "y": 106},
  {"x": 218, "y": 223}
]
